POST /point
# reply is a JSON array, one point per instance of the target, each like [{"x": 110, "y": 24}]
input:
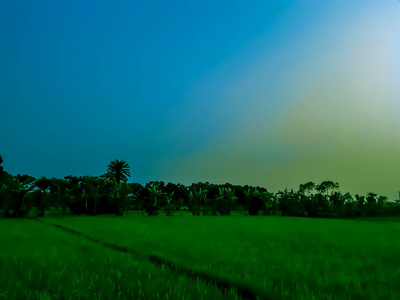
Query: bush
[
  {"x": 349, "y": 209},
  {"x": 254, "y": 205},
  {"x": 152, "y": 210},
  {"x": 311, "y": 207},
  {"x": 391, "y": 210},
  {"x": 197, "y": 201},
  {"x": 206, "y": 211},
  {"x": 225, "y": 201}
]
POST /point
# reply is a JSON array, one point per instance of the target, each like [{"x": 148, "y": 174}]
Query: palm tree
[{"x": 118, "y": 169}]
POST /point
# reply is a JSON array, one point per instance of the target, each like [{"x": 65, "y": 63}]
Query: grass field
[
  {"x": 38, "y": 261},
  {"x": 283, "y": 257}
]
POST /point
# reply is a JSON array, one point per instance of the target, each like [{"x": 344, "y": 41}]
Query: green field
[
  {"x": 282, "y": 257},
  {"x": 38, "y": 261}
]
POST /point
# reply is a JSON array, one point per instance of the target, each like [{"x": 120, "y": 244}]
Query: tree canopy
[{"x": 119, "y": 170}]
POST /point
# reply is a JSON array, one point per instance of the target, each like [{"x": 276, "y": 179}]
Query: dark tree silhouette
[
  {"x": 337, "y": 203},
  {"x": 92, "y": 196},
  {"x": 349, "y": 205},
  {"x": 1, "y": 168},
  {"x": 290, "y": 203},
  {"x": 153, "y": 198},
  {"x": 307, "y": 187},
  {"x": 360, "y": 204},
  {"x": 118, "y": 169},
  {"x": 197, "y": 201},
  {"x": 382, "y": 202},
  {"x": 1, "y": 180},
  {"x": 106, "y": 191},
  {"x": 41, "y": 196},
  {"x": 371, "y": 207},
  {"x": 58, "y": 188},
  {"x": 325, "y": 186},
  {"x": 110, "y": 193},
  {"x": 14, "y": 191},
  {"x": 74, "y": 196},
  {"x": 136, "y": 190},
  {"x": 225, "y": 201},
  {"x": 252, "y": 201}
]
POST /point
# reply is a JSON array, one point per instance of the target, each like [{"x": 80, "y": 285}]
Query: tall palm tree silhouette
[{"x": 118, "y": 169}]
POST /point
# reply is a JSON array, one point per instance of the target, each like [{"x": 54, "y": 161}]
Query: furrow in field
[
  {"x": 38, "y": 261},
  {"x": 223, "y": 284}
]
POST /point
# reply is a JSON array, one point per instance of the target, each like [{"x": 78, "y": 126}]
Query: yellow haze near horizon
[{"x": 342, "y": 122}]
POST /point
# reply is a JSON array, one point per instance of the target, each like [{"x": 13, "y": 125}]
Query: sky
[{"x": 263, "y": 93}]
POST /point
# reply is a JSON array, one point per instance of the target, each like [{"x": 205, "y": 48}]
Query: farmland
[
  {"x": 200, "y": 150},
  {"x": 277, "y": 257},
  {"x": 38, "y": 261},
  {"x": 103, "y": 238}
]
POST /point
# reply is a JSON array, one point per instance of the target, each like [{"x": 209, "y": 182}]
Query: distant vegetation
[
  {"x": 227, "y": 257},
  {"x": 111, "y": 193}
]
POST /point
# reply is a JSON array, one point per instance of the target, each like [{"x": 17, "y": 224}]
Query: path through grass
[
  {"x": 292, "y": 258},
  {"x": 38, "y": 261}
]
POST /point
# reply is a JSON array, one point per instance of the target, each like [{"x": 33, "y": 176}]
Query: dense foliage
[{"x": 111, "y": 193}]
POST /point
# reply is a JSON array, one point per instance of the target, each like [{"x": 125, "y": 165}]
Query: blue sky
[{"x": 269, "y": 93}]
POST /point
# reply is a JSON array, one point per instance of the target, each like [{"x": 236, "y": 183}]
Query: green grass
[
  {"x": 38, "y": 261},
  {"x": 287, "y": 257}
]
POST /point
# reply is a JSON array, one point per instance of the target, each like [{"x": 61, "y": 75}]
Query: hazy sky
[{"x": 268, "y": 93}]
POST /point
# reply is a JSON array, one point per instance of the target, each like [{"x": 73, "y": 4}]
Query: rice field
[
  {"x": 38, "y": 261},
  {"x": 277, "y": 257}
]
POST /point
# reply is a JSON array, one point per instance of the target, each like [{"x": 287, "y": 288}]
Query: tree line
[{"x": 111, "y": 193}]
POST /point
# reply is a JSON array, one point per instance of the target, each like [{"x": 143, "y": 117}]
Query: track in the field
[{"x": 224, "y": 285}]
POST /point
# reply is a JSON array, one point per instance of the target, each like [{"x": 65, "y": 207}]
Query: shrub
[
  {"x": 197, "y": 201},
  {"x": 153, "y": 198},
  {"x": 225, "y": 201},
  {"x": 169, "y": 207}
]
